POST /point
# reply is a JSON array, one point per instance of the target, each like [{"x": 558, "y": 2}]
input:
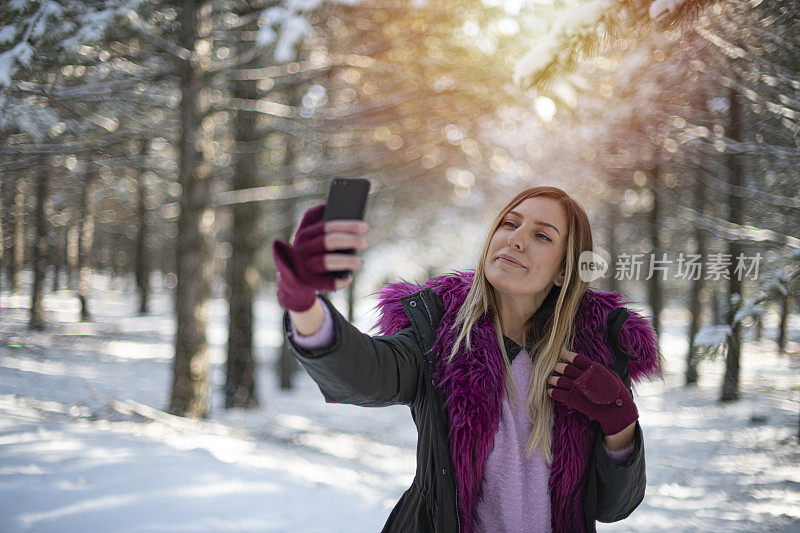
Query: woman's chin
[{"x": 503, "y": 279}]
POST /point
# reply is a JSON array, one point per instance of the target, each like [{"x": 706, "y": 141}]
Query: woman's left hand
[{"x": 595, "y": 390}]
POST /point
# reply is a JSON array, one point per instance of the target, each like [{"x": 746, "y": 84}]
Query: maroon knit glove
[
  {"x": 301, "y": 269},
  {"x": 598, "y": 392}
]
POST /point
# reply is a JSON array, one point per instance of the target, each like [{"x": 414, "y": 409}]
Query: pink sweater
[{"x": 515, "y": 488}]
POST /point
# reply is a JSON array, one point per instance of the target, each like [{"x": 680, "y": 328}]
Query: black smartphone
[{"x": 347, "y": 199}]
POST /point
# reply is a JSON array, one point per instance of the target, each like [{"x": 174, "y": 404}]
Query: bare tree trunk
[
  {"x": 759, "y": 325},
  {"x": 37, "y": 320},
  {"x": 17, "y": 230},
  {"x": 730, "y": 385},
  {"x": 73, "y": 261},
  {"x": 3, "y": 204},
  {"x": 63, "y": 236},
  {"x": 243, "y": 277},
  {"x": 696, "y": 289},
  {"x": 718, "y": 307},
  {"x": 783, "y": 324},
  {"x": 103, "y": 255},
  {"x": 55, "y": 256},
  {"x": 86, "y": 238},
  {"x": 655, "y": 292},
  {"x": 142, "y": 258},
  {"x": 194, "y": 269},
  {"x": 113, "y": 244},
  {"x": 613, "y": 223},
  {"x": 288, "y": 365}
]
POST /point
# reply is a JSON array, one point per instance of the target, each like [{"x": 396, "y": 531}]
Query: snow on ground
[{"x": 69, "y": 463}]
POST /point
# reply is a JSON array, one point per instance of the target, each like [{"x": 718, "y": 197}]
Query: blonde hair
[{"x": 551, "y": 326}]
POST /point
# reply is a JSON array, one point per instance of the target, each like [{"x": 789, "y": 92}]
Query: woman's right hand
[{"x": 305, "y": 266}]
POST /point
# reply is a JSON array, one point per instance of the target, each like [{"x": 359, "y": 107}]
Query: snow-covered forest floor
[{"x": 70, "y": 463}]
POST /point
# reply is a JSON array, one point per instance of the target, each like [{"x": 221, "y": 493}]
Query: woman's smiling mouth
[{"x": 510, "y": 260}]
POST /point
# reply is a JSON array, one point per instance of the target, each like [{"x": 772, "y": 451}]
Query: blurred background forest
[{"x": 166, "y": 144}]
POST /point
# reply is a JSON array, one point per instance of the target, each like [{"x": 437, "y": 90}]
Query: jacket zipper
[{"x": 455, "y": 481}]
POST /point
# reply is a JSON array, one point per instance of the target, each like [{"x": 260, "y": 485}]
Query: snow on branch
[
  {"x": 11, "y": 60},
  {"x": 35, "y": 120},
  {"x": 712, "y": 336},
  {"x": 751, "y": 309},
  {"x": 660, "y": 8},
  {"x": 712, "y": 340},
  {"x": 20, "y": 53},
  {"x": 50, "y": 29},
  {"x": 571, "y": 29},
  {"x": 734, "y": 231},
  {"x": 57, "y": 26},
  {"x": 285, "y": 25},
  {"x": 593, "y": 25},
  {"x": 7, "y": 33}
]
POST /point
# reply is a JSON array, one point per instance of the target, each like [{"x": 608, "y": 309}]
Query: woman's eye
[{"x": 510, "y": 224}]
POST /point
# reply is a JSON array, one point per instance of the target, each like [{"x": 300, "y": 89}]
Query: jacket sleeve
[
  {"x": 620, "y": 486},
  {"x": 360, "y": 369}
]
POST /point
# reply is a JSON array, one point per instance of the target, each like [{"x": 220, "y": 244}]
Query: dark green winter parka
[{"x": 403, "y": 366}]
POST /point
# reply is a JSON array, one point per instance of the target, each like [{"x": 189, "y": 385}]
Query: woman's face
[{"x": 534, "y": 235}]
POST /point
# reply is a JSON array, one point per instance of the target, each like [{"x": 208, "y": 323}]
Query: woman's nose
[{"x": 514, "y": 240}]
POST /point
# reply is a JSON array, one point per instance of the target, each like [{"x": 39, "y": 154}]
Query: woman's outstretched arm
[{"x": 359, "y": 369}]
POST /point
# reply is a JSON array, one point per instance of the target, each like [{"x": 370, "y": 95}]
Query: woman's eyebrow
[{"x": 540, "y": 222}]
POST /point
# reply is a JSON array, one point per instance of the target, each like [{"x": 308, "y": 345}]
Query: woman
[{"x": 516, "y": 431}]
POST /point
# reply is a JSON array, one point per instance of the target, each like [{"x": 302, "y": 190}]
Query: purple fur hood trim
[{"x": 473, "y": 385}]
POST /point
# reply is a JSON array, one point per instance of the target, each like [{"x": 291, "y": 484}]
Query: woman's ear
[{"x": 559, "y": 281}]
